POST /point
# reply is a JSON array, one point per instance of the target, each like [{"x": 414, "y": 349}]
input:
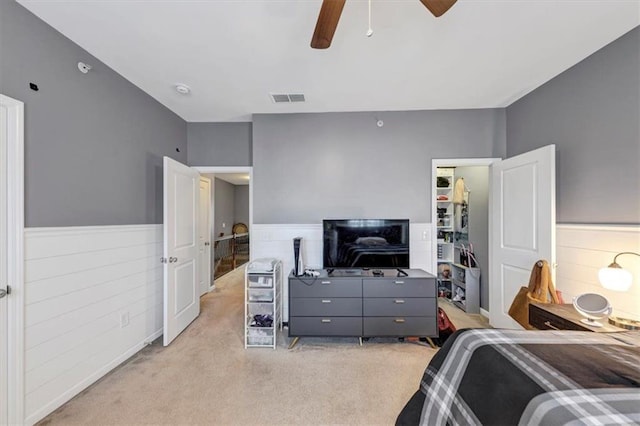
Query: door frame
[
  {"x": 15, "y": 261},
  {"x": 210, "y": 216},
  {"x": 231, "y": 169},
  {"x": 455, "y": 162}
]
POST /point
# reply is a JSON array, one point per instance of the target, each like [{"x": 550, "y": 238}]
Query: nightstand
[{"x": 550, "y": 316}]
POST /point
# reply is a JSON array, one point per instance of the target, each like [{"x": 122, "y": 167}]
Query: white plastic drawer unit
[
  {"x": 260, "y": 281},
  {"x": 260, "y": 295}
]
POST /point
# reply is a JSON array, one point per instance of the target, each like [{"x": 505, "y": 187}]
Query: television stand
[{"x": 343, "y": 304}]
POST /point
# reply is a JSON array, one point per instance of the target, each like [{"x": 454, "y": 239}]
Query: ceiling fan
[{"x": 332, "y": 9}]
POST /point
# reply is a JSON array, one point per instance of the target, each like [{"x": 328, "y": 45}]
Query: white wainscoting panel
[
  {"x": 583, "y": 249},
  {"x": 276, "y": 240},
  {"x": 93, "y": 298}
]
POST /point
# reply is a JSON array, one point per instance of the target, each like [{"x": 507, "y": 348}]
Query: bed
[{"x": 508, "y": 377}]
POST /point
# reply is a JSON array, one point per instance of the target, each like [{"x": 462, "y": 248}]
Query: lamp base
[
  {"x": 625, "y": 323},
  {"x": 591, "y": 322}
]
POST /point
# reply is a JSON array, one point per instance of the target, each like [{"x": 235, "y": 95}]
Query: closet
[{"x": 461, "y": 217}]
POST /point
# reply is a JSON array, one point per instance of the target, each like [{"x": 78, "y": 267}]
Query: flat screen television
[{"x": 365, "y": 243}]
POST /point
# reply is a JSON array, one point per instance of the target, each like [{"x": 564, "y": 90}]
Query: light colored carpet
[{"x": 207, "y": 377}]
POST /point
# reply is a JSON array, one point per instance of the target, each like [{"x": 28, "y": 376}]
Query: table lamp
[{"x": 615, "y": 277}]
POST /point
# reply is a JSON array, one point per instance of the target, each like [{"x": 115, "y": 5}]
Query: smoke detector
[
  {"x": 84, "y": 68},
  {"x": 183, "y": 89}
]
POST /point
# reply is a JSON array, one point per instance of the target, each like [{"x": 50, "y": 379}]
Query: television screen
[{"x": 365, "y": 243}]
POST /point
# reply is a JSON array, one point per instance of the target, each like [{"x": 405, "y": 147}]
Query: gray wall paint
[
  {"x": 224, "y": 207},
  {"x": 591, "y": 112},
  {"x": 477, "y": 180},
  {"x": 93, "y": 142},
  {"x": 313, "y": 166},
  {"x": 219, "y": 144},
  {"x": 241, "y": 208}
]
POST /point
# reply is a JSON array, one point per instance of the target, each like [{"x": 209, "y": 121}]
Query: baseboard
[
  {"x": 68, "y": 395},
  {"x": 484, "y": 313}
]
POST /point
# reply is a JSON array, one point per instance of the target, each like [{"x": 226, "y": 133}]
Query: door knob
[
  {"x": 207, "y": 243},
  {"x": 3, "y": 293},
  {"x": 173, "y": 259}
]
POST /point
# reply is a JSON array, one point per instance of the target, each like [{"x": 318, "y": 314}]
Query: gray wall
[
  {"x": 219, "y": 144},
  {"x": 477, "y": 180},
  {"x": 224, "y": 207},
  {"x": 93, "y": 142},
  {"x": 241, "y": 207},
  {"x": 592, "y": 113},
  {"x": 313, "y": 166}
]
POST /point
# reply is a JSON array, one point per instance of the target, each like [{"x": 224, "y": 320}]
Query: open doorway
[
  {"x": 230, "y": 217},
  {"x": 460, "y": 212}
]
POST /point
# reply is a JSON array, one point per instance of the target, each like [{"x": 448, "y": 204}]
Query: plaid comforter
[{"x": 485, "y": 376}]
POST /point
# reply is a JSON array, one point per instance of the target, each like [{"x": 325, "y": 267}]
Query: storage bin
[
  {"x": 258, "y": 281},
  {"x": 261, "y": 296},
  {"x": 260, "y": 336}
]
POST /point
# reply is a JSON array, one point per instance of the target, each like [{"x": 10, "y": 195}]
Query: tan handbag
[{"x": 540, "y": 289}]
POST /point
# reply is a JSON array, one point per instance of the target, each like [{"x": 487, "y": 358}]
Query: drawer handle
[
  {"x": 399, "y": 320},
  {"x": 326, "y": 300},
  {"x": 398, "y": 301},
  {"x": 398, "y": 282},
  {"x": 325, "y": 320},
  {"x": 548, "y": 324},
  {"x": 325, "y": 282}
]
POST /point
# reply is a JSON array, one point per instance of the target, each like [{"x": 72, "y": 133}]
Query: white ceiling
[{"x": 233, "y": 53}]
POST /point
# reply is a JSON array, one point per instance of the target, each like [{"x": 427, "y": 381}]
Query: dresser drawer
[
  {"x": 544, "y": 320},
  {"x": 325, "y": 326},
  {"x": 325, "y": 287},
  {"x": 393, "y": 306},
  {"x": 399, "y": 287},
  {"x": 326, "y": 306},
  {"x": 399, "y": 326}
]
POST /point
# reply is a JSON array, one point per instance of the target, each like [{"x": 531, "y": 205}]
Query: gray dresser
[{"x": 347, "y": 304}]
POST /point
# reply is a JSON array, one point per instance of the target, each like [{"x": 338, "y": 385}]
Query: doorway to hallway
[{"x": 230, "y": 218}]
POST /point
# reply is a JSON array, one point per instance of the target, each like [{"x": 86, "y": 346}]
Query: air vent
[
  {"x": 279, "y": 98},
  {"x": 298, "y": 97}
]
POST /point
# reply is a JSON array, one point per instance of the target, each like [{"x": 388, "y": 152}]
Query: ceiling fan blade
[
  {"x": 327, "y": 23},
  {"x": 438, "y": 7}
]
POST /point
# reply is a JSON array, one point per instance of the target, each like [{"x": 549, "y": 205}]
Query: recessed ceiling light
[{"x": 183, "y": 89}]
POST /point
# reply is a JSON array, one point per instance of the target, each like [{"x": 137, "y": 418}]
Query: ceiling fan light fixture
[{"x": 331, "y": 10}]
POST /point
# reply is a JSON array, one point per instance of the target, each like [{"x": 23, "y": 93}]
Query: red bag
[{"x": 445, "y": 326}]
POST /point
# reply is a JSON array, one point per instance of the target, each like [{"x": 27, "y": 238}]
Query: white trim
[
  {"x": 233, "y": 169},
  {"x": 35, "y": 232},
  {"x": 66, "y": 396},
  {"x": 15, "y": 261},
  {"x": 598, "y": 227},
  {"x": 583, "y": 249},
  {"x": 484, "y": 313}
]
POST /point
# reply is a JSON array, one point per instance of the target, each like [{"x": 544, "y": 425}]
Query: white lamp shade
[{"x": 616, "y": 279}]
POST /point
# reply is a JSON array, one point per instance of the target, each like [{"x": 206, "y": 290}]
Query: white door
[
  {"x": 181, "y": 275},
  {"x": 204, "y": 239},
  {"x": 522, "y": 226},
  {"x": 11, "y": 260},
  {"x": 4, "y": 243}
]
